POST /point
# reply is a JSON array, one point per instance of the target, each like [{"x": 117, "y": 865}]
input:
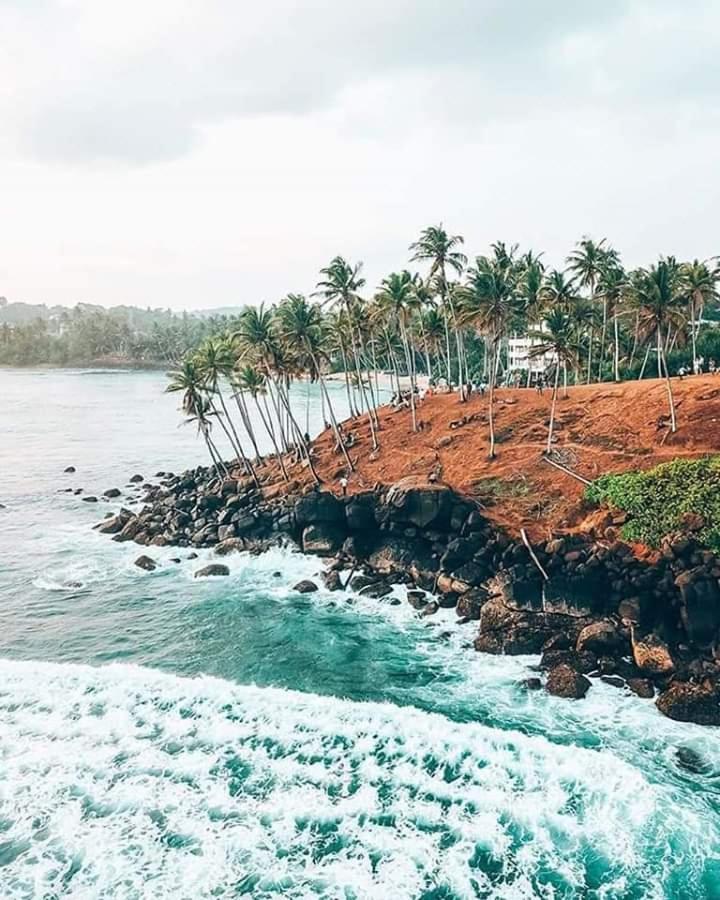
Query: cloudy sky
[{"x": 217, "y": 152}]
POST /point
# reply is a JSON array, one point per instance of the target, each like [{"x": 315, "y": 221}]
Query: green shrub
[{"x": 657, "y": 500}]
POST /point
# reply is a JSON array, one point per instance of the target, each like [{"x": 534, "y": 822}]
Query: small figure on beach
[{"x": 343, "y": 486}]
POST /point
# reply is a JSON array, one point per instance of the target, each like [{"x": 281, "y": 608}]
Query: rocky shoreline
[{"x": 591, "y": 605}]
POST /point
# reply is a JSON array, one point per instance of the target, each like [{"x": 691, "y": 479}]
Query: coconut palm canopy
[{"x": 448, "y": 323}]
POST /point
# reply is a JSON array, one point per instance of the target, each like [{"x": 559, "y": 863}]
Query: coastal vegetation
[{"x": 665, "y": 499}]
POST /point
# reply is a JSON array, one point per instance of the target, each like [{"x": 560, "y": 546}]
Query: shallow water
[{"x": 172, "y": 738}]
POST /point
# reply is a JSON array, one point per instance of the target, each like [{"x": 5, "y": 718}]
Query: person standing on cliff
[{"x": 344, "y": 486}]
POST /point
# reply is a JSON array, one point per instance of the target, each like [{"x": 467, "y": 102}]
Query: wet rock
[
  {"x": 692, "y": 761},
  {"x": 564, "y": 681},
  {"x": 613, "y": 680},
  {"x": 686, "y": 702},
  {"x": 530, "y": 684},
  {"x": 599, "y": 637},
  {"x": 652, "y": 656},
  {"x": 583, "y": 661},
  {"x": 322, "y": 538},
  {"x": 377, "y": 590},
  {"x": 145, "y": 562},
  {"x": 90, "y": 499},
  {"x": 521, "y": 593},
  {"x": 176, "y": 559},
  {"x": 225, "y": 532},
  {"x": 470, "y": 604},
  {"x": 395, "y": 555},
  {"x": 360, "y": 512},
  {"x": 130, "y": 530},
  {"x": 113, "y": 525},
  {"x": 642, "y": 687},
  {"x": 192, "y": 556},
  {"x": 70, "y": 469},
  {"x": 111, "y": 493},
  {"x": 358, "y": 582},
  {"x": 137, "y": 478},
  {"x": 306, "y": 587},
  {"x": 417, "y": 599},
  {"x": 333, "y": 581},
  {"x": 430, "y": 608},
  {"x": 212, "y": 570}
]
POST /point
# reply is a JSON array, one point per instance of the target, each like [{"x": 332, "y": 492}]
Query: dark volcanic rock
[
  {"x": 333, "y": 580},
  {"x": 70, "y": 470},
  {"x": 377, "y": 590},
  {"x": 317, "y": 507},
  {"x": 600, "y": 637},
  {"x": 420, "y": 503},
  {"x": 564, "y": 681},
  {"x": 530, "y": 684},
  {"x": 323, "y": 538},
  {"x": 470, "y": 604},
  {"x": 652, "y": 657},
  {"x": 214, "y": 569},
  {"x": 643, "y": 687},
  {"x": 113, "y": 525},
  {"x": 111, "y": 493},
  {"x": 691, "y": 703},
  {"x": 306, "y": 587},
  {"x": 417, "y": 599},
  {"x": 90, "y": 499},
  {"x": 145, "y": 562},
  {"x": 137, "y": 478},
  {"x": 700, "y": 610}
]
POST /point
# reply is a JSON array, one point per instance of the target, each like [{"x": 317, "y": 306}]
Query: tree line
[{"x": 591, "y": 321}]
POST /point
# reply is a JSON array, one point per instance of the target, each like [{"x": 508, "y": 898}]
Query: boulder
[
  {"x": 377, "y": 590},
  {"x": 399, "y": 555},
  {"x": 600, "y": 637},
  {"x": 521, "y": 593},
  {"x": 700, "y": 609},
  {"x": 130, "y": 530},
  {"x": 137, "y": 478},
  {"x": 564, "y": 681},
  {"x": 579, "y": 595},
  {"x": 417, "y": 599},
  {"x": 333, "y": 580},
  {"x": 111, "y": 493},
  {"x": 652, "y": 657},
  {"x": 319, "y": 507},
  {"x": 419, "y": 502},
  {"x": 360, "y": 512},
  {"x": 145, "y": 562},
  {"x": 643, "y": 687},
  {"x": 470, "y": 604},
  {"x": 686, "y": 702},
  {"x": 322, "y": 538},
  {"x": 113, "y": 525},
  {"x": 225, "y": 532},
  {"x": 90, "y": 499},
  {"x": 212, "y": 570},
  {"x": 430, "y": 608},
  {"x": 70, "y": 470},
  {"x": 306, "y": 587}
]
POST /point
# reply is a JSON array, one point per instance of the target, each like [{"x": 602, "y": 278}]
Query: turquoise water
[{"x": 162, "y": 737}]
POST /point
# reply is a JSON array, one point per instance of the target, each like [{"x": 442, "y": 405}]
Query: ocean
[{"x": 167, "y": 737}]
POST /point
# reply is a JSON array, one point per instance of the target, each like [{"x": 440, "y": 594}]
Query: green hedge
[{"x": 657, "y": 500}]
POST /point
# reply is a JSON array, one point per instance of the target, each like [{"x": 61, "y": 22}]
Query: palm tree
[
  {"x": 699, "y": 287},
  {"x": 396, "y": 298},
  {"x": 300, "y": 326},
  {"x": 656, "y": 294},
  {"x": 586, "y": 262},
  {"x": 612, "y": 287},
  {"x": 341, "y": 285},
  {"x": 248, "y": 379},
  {"x": 439, "y": 248},
  {"x": 188, "y": 380},
  {"x": 557, "y": 338},
  {"x": 214, "y": 360},
  {"x": 489, "y": 302}
]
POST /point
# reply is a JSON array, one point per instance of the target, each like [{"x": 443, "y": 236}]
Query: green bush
[{"x": 657, "y": 500}]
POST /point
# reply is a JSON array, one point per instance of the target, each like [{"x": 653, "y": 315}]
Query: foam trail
[{"x": 126, "y": 783}]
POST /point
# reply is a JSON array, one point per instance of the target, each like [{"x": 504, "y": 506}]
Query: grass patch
[
  {"x": 489, "y": 491},
  {"x": 658, "y": 499}
]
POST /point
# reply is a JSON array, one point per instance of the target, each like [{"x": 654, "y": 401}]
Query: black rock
[
  {"x": 306, "y": 587},
  {"x": 692, "y": 761},
  {"x": 90, "y": 499},
  {"x": 111, "y": 493},
  {"x": 70, "y": 469},
  {"x": 530, "y": 684},
  {"x": 213, "y": 570},
  {"x": 564, "y": 681},
  {"x": 145, "y": 562}
]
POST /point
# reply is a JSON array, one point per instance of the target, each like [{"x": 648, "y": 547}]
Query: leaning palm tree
[
  {"x": 489, "y": 302},
  {"x": 247, "y": 379},
  {"x": 557, "y": 338},
  {"x": 341, "y": 285},
  {"x": 214, "y": 360},
  {"x": 187, "y": 380},
  {"x": 656, "y": 294},
  {"x": 699, "y": 287},
  {"x": 300, "y": 326},
  {"x": 396, "y": 299},
  {"x": 440, "y": 249}
]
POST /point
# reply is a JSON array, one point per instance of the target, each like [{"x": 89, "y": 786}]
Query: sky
[{"x": 220, "y": 152}]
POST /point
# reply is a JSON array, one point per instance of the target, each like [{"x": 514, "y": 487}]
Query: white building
[{"x": 519, "y": 359}]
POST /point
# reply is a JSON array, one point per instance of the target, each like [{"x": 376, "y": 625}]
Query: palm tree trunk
[
  {"x": 645, "y": 361},
  {"x": 590, "y": 349},
  {"x": 692, "y": 332},
  {"x": 491, "y": 399},
  {"x": 303, "y": 447},
  {"x": 616, "y": 361},
  {"x": 403, "y": 333},
  {"x": 271, "y": 434},
  {"x": 671, "y": 401},
  {"x": 602, "y": 342},
  {"x": 552, "y": 407}
]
